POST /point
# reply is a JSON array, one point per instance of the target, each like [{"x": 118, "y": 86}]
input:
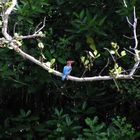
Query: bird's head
[{"x": 69, "y": 62}]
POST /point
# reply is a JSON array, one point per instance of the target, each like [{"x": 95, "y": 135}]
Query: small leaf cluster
[
  {"x": 115, "y": 50},
  {"x": 116, "y": 55}
]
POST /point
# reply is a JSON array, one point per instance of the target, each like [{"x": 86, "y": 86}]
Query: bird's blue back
[{"x": 66, "y": 71}]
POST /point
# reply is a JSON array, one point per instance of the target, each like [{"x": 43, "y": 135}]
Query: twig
[
  {"x": 38, "y": 26},
  {"x": 115, "y": 81},
  {"x": 84, "y": 73},
  {"x": 110, "y": 54},
  {"x": 130, "y": 37},
  {"x": 104, "y": 67},
  {"x": 125, "y": 5},
  {"x": 41, "y": 27},
  {"x": 30, "y": 36},
  {"x": 14, "y": 29},
  {"x": 36, "y": 33},
  {"x": 129, "y": 51},
  {"x": 5, "y": 16},
  {"x": 134, "y": 28}
]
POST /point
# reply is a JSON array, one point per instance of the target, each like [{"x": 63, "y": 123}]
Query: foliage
[
  {"x": 119, "y": 129},
  {"x": 62, "y": 126},
  {"x": 50, "y": 109}
]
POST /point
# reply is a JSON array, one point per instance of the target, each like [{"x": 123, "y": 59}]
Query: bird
[{"x": 67, "y": 69}]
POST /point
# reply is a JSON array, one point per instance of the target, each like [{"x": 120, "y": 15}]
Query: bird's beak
[{"x": 70, "y": 62}]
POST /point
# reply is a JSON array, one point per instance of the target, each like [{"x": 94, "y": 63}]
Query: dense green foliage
[
  {"x": 35, "y": 105},
  {"x": 62, "y": 126}
]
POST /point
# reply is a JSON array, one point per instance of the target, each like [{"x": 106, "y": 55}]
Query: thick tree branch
[
  {"x": 5, "y": 16},
  {"x": 57, "y": 73}
]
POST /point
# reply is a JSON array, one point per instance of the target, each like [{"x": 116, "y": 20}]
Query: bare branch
[
  {"x": 36, "y": 33},
  {"x": 125, "y": 5},
  {"x": 128, "y": 37},
  {"x": 134, "y": 29},
  {"x": 38, "y": 26},
  {"x": 14, "y": 29},
  {"x": 136, "y": 45},
  {"x": 134, "y": 25},
  {"x": 12, "y": 6},
  {"x": 5, "y": 16},
  {"x": 110, "y": 54},
  {"x": 57, "y": 73},
  {"x": 30, "y": 36},
  {"x": 41, "y": 27},
  {"x": 104, "y": 67},
  {"x": 129, "y": 51},
  {"x": 129, "y": 21}
]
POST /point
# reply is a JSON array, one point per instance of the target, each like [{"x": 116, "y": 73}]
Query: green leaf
[
  {"x": 91, "y": 54},
  {"x": 40, "y": 45},
  {"x": 22, "y": 112},
  {"x": 95, "y": 52},
  {"x": 52, "y": 61},
  {"x": 116, "y": 66},
  {"x": 91, "y": 43},
  {"x": 84, "y": 105},
  {"x": 86, "y": 62},
  {"x": 88, "y": 121},
  {"x": 114, "y": 45},
  {"x": 92, "y": 46},
  {"x": 123, "y": 53},
  {"x": 28, "y": 113},
  {"x": 119, "y": 70},
  {"x": 83, "y": 58},
  {"x": 102, "y": 21},
  {"x": 82, "y": 14},
  {"x": 112, "y": 51}
]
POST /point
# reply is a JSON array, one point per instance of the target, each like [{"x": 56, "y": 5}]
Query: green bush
[{"x": 63, "y": 127}]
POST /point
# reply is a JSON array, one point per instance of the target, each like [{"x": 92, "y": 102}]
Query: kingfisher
[{"x": 67, "y": 69}]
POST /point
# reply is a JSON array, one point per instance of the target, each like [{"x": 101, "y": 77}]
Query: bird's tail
[{"x": 63, "y": 77}]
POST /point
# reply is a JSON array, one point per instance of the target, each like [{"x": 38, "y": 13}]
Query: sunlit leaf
[
  {"x": 86, "y": 62},
  {"x": 82, "y": 58},
  {"x": 52, "y": 61},
  {"x": 40, "y": 45},
  {"x": 91, "y": 54},
  {"x": 95, "y": 52},
  {"x": 112, "y": 51},
  {"x": 123, "y": 53},
  {"x": 91, "y": 43}
]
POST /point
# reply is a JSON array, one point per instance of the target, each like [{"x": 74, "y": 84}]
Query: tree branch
[
  {"x": 30, "y": 36},
  {"x": 57, "y": 73},
  {"x": 5, "y": 16}
]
